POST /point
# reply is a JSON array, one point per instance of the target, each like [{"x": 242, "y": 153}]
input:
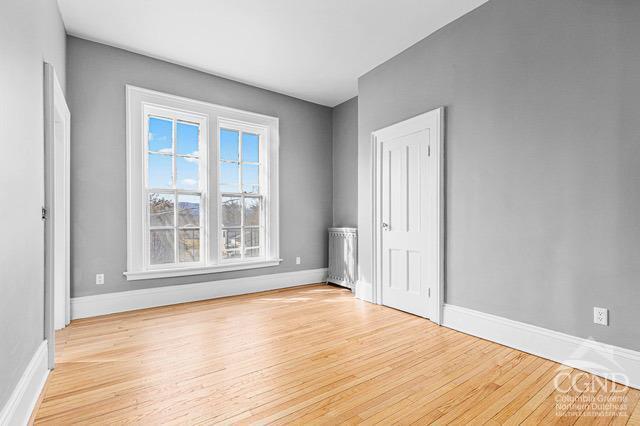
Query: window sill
[{"x": 200, "y": 270}]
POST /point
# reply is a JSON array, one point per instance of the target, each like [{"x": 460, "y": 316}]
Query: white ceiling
[{"x": 311, "y": 49}]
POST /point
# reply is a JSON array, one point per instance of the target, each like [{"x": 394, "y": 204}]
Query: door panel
[
  {"x": 414, "y": 272},
  {"x": 404, "y": 173},
  {"x": 397, "y": 269},
  {"x": 413, "y": 189}
]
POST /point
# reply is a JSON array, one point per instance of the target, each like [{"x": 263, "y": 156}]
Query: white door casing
[{"x": 408, "y": 214}]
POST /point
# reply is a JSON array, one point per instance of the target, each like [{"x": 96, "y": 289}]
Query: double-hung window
[
  {"x": 174, "y": 187},
  {"x": 241, "y": 191},
  {"x": 202, "y": 187}
]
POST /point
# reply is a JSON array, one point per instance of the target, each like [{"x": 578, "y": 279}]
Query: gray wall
[
  {"x": 97, "y": 75},
  {"x": 31, "y": 32},
  {"x": 345, "y": 160},
  {"x": 543, "y": 158}
]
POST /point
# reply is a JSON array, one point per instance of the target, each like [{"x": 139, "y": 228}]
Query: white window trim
[{"x": 213, "y": 115}]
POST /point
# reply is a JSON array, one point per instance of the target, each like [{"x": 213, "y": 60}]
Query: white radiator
[{"x": 343, "y": 256}]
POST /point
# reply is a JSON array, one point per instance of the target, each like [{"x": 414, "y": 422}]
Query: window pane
[
  {"x": 250, "y": 147},
  {"x": 231, "y": 254},
  {"x": 229, "y": 177},
  {"x": 161, "y": 209},
  {"x": 231, "y": 211},
  {"x": 160, "y": 171},
  {"x": 251, "y": 211},
  {"x": 187, "y": 135},
  {"x": 189, "y": 210},
  {"x": 187, "y": 171},
  {"x": 189, "y": 245},
  {"x": 251, "y": 237},
  {"x": 160, "y": 135},
  {"x": 230, "y": 243},
  {"x": 229, "y": 145},
  {"x": 250, "y": 178},
  {"x": 252, "y": 252},
  {"x": 161, "y": 246}
]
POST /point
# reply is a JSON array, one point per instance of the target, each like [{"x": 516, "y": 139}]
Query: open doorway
[{"x": 57, "y": 120}]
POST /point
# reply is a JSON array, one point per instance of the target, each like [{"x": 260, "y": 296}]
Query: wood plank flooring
[{"x": 308, "y": 355}]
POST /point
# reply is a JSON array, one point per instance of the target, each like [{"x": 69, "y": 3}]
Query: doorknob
[{"x": 385, "y": 226}]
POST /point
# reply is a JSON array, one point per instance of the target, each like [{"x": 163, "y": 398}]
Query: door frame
[
  {"x": 56, "y": 113},
  {"x": 436, "y": 301}
]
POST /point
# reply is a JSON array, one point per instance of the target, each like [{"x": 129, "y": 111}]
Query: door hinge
[
  {"x": 429, "y": 150},
  {"x": 429, "y": 292},
  {"x": 44, "y": 214}
]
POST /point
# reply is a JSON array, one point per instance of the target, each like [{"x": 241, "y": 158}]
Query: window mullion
[
  {"x": 242, "y": 226},
  {"x": 240, "y": 133},
  {"x": 261, "y": 190},
  {"x": 175, "y": 192}
]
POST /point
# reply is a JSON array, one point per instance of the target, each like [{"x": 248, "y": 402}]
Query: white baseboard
[
  {"x": 364, "y": 291},
  {"x": 612, "y": 362},
  {"x": 109, "y": 303},
  {"x": 22, "y": 401}
]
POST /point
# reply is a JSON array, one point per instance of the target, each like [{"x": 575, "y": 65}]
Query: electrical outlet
[
  {"x": 601, "y": 316},
  {"x": 99, "y": 279},
  {"x": 297, "y": 260}
]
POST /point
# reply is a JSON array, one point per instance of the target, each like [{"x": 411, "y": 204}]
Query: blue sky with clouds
[{"x": 161, "y": 167}]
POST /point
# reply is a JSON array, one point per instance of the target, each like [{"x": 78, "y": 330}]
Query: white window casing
[{"x": 210, "y": 118}]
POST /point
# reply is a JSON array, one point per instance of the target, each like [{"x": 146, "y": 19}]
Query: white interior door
[
  {"x": 409, "y": 215},
  {"x": 60, "y": 220},
  {"x": 57, "y": 208}
]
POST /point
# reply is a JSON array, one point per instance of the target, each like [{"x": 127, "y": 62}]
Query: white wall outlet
[
  {"x": 99, "y": 279},
  {"x": 297, "y": 260},
  {"x": 601, "y": 316}
]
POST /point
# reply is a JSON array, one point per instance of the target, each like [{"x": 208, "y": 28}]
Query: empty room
[{"x": 320, "y": 212}]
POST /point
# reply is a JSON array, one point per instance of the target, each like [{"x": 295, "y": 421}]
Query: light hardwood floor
[{"x": 307, "y": 355}]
